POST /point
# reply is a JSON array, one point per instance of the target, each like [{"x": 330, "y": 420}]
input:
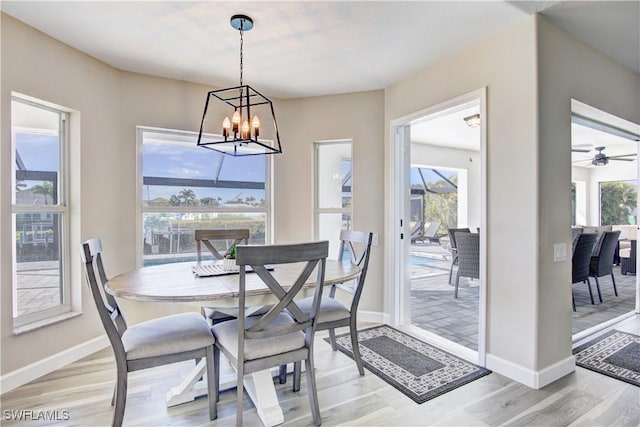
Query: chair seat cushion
[
  {"x": 330, "y": 309},
  {"x": 226, "y": 333},
  {"x": 167, "y": 335},
  {"x": 625, "y": 253}
]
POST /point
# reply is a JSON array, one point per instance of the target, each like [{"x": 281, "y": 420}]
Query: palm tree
[
  {"x": 187, "y": 196},
  {"x": 46, "y": 189}
]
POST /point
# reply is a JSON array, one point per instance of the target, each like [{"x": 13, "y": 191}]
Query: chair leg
[
  {"x": 212, "y": 385},
  {"x": 590, "y": 292},
  {"x": 455, "y": 292},
  {"x": 613, "y": 280},
  {"x": 332, "y": 339},
  {"x": 450, "y": 273},
  {"x": 282, "y": 374},
  {"x": 239, "y": 393},
  {"x": 573, "y": 300},
  {"x": 598, "y": 289},
  {"x": 216, "y": 367},
  {"x": 313, "y": 392},
  {"x": 355, "y": 346},
  {"x": 297, "y": 372},
  {"x": 121, "y": 398}
]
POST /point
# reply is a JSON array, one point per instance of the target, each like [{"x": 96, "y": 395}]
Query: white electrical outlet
[{"x": 560, "y": 252}]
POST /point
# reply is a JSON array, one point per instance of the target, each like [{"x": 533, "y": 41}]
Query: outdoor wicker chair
[{"x": 468, "y": 245}]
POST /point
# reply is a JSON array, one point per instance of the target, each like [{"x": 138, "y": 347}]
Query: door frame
[{"x": 397, "y": 210}]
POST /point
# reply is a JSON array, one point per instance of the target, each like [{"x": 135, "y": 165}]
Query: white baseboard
[
  {"x": 373, "y": 317},
  {"x": 49, "y": 364},
  {"x": 529, "y": 377}
]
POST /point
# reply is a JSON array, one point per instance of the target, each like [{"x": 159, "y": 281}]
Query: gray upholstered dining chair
[
  {"x": 156, "y": 342},
  {"x": 333, "y": 314},
  {"x": 468, "y": 257},
  {"x": 283, "y": 334},
  {"x": 454, "y": 248},
  {"x": 208, "y": 239}
]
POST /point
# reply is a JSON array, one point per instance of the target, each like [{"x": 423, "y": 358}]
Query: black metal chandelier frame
[{"x": 235, "y": 139}]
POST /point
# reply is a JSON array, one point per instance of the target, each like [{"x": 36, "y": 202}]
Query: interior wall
[
  {"x": 505, "y": 64},
  {"x": 39, "y": 66},
  {"x": 567, "y": 69},
  {"x": 356, "y": 116},
  {"x": 111, "y": 103},
  {"x": 433, "y": 155}
]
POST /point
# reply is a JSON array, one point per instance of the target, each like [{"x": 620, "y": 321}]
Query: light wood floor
[{"x": 84, "y": 389}]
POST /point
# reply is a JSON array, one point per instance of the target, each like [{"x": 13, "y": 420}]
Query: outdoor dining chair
[
  {"x": 601, "y": 263},
  {"x": 468, "y": 245},
  {"x": 283, "y": 334},
  {"x": 580, "y": 261},
  {"x": 156, "y": 342},
  {"x": 453, "y": 247}
]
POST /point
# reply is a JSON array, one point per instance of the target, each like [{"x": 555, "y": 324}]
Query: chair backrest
[
  {"x": 452, "y": 235},
  {"x": 602, "y": 262},
  {"x": 206, "y": 237},
  {"x": 575, "y": 232},
  {"x": 259, "y": 258},
  {"x": 418, "y": 229},
  {"x": 432, "y": 229},
  {"x": 108, "y": 309},
  {"x": 358, "y": 245},
  {"x": 581, "y": 257},
  {"x": 468, "y": 254}
]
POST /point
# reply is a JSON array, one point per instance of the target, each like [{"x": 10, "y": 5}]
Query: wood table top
[{"x": 176, "y": 282}]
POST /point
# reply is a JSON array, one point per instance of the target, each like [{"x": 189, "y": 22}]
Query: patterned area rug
[
  {"x": 616, "y": 354},
  {"x": 417, "y": 369}
]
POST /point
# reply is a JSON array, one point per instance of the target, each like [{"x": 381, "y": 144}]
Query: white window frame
[
  {"x": 316, "y": 190},
  {"x": 61, "y": 209},
  {"x": 267, "y": 209}
]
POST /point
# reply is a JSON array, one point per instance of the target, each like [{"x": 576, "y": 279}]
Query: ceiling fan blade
[
  {"x": 622, "y": 157},
  {"x": 580, "y": 150}
]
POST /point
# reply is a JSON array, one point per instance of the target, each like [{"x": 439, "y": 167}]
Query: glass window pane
[
  {"x": 38, "y": 261},
  {"x": 36, "y": 138},
  {"x": 329, "y": 227},
  {"x": 334, "y": 175},
  {"x": 176, "y": 172},
  {"x": 618, "y": 202},
  {"x": 168, "y": 236}
]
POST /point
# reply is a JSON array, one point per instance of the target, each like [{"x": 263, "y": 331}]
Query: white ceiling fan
[{"x": 601, "y": 159}]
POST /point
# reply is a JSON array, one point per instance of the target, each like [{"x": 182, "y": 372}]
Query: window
[
  {"x": 333, "y": 190},
  {"x": 186, "y": 187},
  {"x": 39, "y": 138},
  {"x": 618, "y": 201}
]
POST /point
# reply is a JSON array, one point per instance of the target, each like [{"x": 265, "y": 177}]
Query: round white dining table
[{"x": 177, "y": 283}]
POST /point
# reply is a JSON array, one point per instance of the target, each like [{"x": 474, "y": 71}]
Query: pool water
[{"x": 421, "y": 260}]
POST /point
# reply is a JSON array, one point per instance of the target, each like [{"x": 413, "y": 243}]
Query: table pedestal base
[{"x": 259, "y": 387}]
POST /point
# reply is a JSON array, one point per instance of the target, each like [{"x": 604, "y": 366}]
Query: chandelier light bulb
[
  {"x": 235, "y": 119},
  {"x": 255, "y": 124},
  {"x": 226, "y": 127},
  {"x": 245, "y": 130}
]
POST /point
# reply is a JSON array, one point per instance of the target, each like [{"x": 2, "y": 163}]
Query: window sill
[{"x": 19, "y": 330}]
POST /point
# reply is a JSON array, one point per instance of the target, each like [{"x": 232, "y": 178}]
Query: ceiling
[{"x": 310, "y": 48}]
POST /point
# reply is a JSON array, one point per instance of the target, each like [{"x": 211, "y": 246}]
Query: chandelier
[{"x": 239, "y": 120}]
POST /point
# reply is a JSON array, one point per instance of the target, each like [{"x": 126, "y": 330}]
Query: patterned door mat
[
  {"x": 615, "y": 354},
  {"x": 416, "y": 368}
]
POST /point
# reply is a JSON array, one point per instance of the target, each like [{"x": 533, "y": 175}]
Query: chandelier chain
[{"x": 241, "y": 53}]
